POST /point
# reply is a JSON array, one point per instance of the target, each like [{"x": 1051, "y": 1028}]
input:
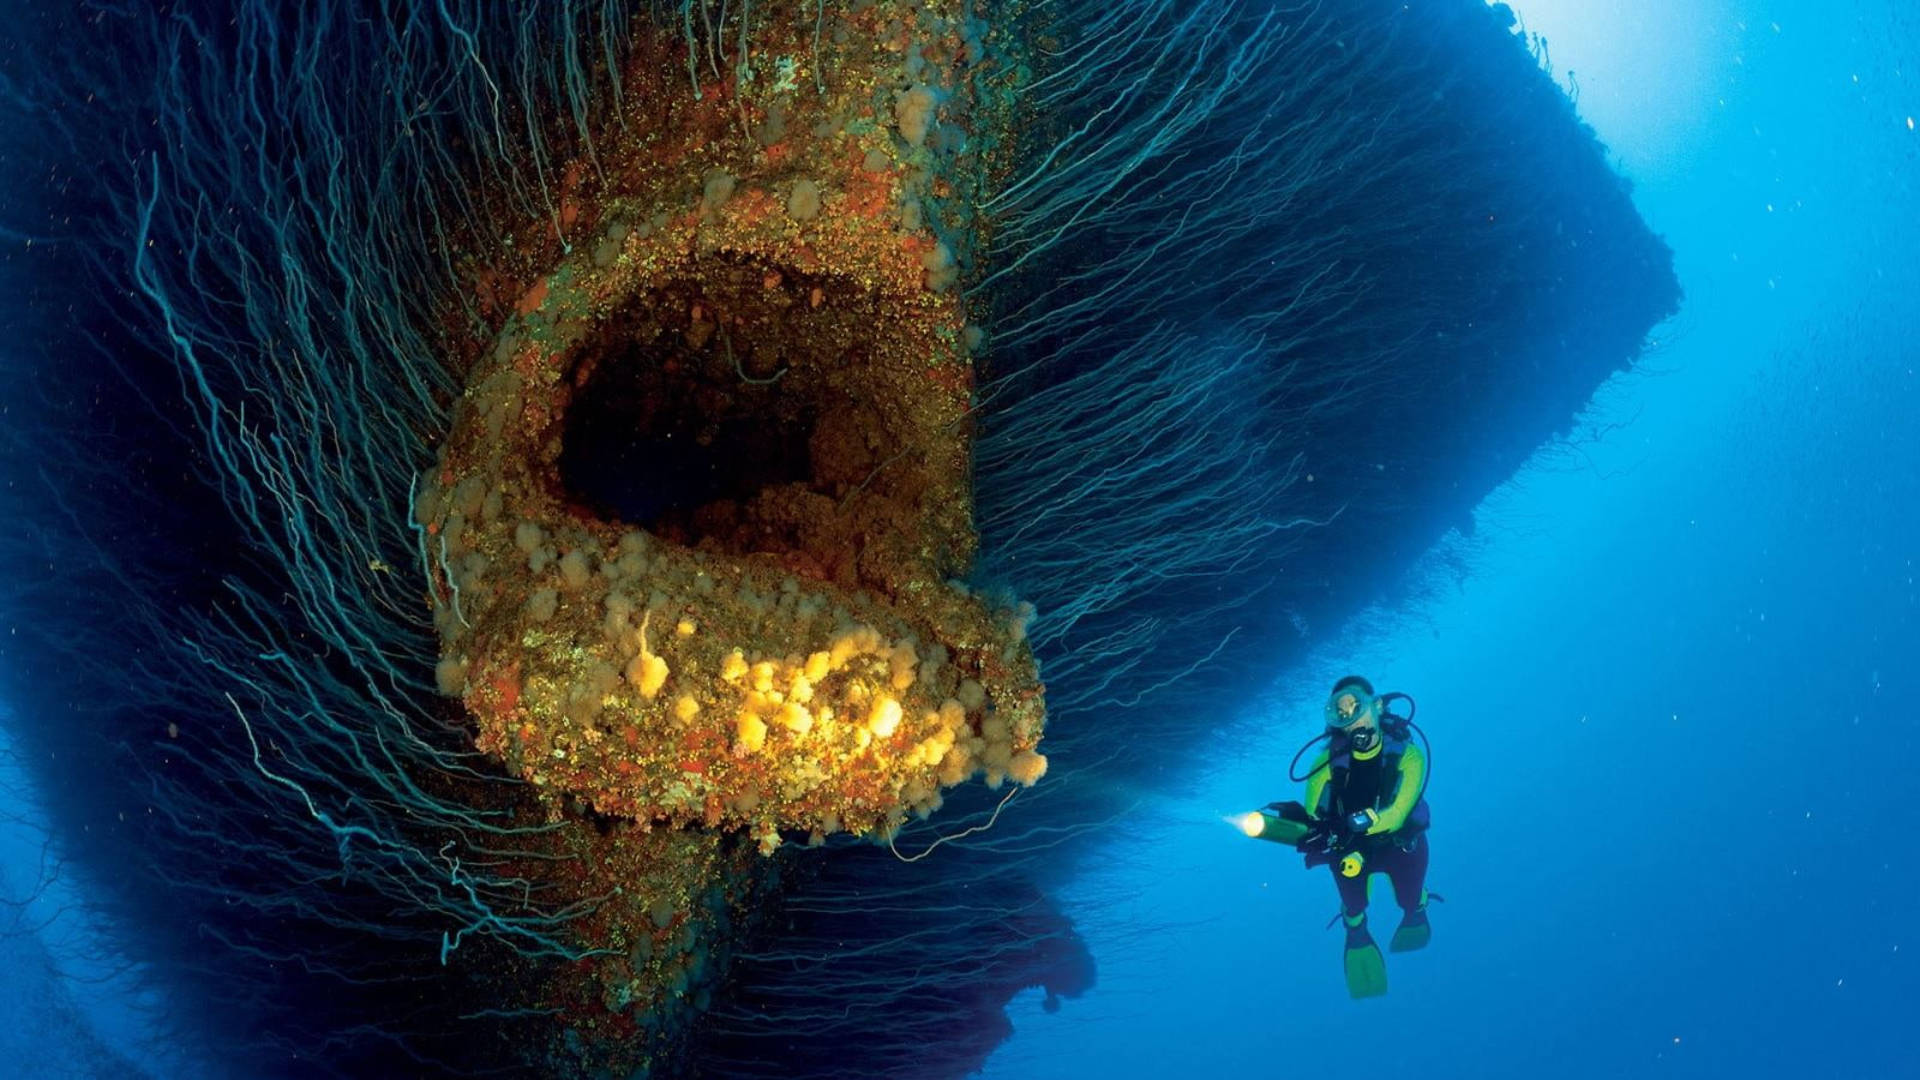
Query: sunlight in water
[{"x": 1648, "y": 76}]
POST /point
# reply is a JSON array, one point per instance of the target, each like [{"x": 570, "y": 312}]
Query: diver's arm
[
  {"x": 1413, "y": 775},
  {"x": 1317, "y": 779}
]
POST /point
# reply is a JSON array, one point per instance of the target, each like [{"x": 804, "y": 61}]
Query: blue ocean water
[
  {"x": 1672, "y": 694},
  {"x": 1667, "y": 677}
]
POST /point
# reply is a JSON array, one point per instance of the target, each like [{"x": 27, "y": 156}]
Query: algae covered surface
[{"x": 697, "y": 536}]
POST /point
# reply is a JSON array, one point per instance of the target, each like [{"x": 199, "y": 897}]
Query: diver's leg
[
  {"x": 1407, "y": 869},
  {"x": 1366, "y": 968},
  {"x": 1353, "y": 893},
  {"x": 1353, "y": 905}
]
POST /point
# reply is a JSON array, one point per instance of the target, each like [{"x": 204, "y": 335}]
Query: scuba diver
[{"x": 1364, "y": 813}]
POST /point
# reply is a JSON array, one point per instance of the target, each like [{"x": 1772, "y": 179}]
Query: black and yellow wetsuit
[{"x": 1387, "y": 784}]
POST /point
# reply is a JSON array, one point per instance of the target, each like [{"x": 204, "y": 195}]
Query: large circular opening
[
  {"x": 741, "y": 405},
  {"x": 669, "y": 420},
  {"x": 715, "y": 407}
]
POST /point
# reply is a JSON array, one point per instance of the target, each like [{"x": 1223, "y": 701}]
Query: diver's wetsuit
[{"x": 1389, "y": 782}]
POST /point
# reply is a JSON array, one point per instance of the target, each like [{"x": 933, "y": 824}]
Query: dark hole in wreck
[{"x": 686, "y": 404}]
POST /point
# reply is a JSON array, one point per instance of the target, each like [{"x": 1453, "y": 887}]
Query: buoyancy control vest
[{"x": 1372, "y": 783}]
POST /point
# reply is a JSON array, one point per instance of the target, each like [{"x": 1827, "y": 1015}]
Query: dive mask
[{"x": 1345, "y": 710}]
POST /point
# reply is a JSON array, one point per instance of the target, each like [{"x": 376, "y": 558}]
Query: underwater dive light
[{"x": 1262, "y": 825}]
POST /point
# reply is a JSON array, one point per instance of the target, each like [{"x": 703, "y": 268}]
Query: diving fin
[
  {"x": 1414, "y": 932},
  {"x": 1366, "y": 968}
]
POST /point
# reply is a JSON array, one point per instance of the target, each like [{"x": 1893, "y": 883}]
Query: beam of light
[{"x": 1648, "y": 76}]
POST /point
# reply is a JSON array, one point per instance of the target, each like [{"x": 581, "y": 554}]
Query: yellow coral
[
  {"x": 860, "y": 641},
  {"x": 884, "y": 717},
  {"x": 931, "y": 750},
  {"x": 903, "y": 665},
  {"x": 751, "y": 732},
  {"x": 1026, "y": 767},
  {"x": 648, "y": 673},
  {"x": 796, "y": 718},
  {"x": 956, "y": 766}
]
